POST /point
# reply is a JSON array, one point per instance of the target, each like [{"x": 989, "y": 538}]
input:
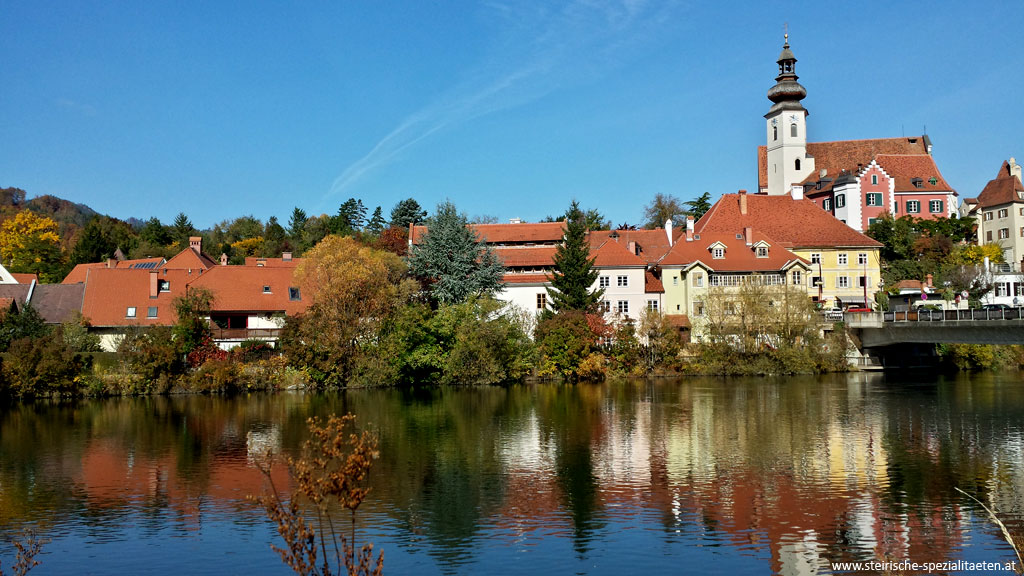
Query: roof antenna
[{"x": 925, "y": 130}]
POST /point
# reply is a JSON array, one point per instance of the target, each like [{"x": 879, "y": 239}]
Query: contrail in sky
[{"x": 551, "y": 49}]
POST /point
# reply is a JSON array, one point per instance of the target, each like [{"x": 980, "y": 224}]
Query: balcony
[{"x": 224, "y": 334}]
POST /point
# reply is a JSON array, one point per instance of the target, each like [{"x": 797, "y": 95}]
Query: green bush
[
  {"x": 564, "y": 340},
  {"x": 44, "y": 366}
]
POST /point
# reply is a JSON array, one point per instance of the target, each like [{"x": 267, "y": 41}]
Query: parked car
[{"x": 997, "y": 307}]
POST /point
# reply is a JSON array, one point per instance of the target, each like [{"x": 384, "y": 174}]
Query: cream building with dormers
[{"x": 999, "y": 213}]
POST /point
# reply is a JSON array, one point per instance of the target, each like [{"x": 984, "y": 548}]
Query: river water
[{"x": 739, "y": 476}]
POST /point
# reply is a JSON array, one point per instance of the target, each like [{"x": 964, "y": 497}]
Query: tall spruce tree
[
  {"x": 454, "y": 260},
  {"x": 377, "y": 222},
  {"x": 574, "y": 271},
  {"x": 407, "y": 212}
]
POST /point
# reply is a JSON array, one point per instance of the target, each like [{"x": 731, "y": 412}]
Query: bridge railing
[{"x": 953, "y": 315}]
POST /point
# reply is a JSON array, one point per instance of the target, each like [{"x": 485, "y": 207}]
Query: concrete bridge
[{"x": 877, "y": 329}]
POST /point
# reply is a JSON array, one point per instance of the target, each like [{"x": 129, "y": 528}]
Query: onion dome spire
[{"x": 787, "y": 92}]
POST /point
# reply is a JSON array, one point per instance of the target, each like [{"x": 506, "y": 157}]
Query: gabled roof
[
  {"x": 904, "y": 168},
  {"x": 190, "y": 259},
  {"x": 1003, "y": 189},
  {"x": 109, "y": 292},
  {"x": 24, "y": 278},
  {"x": 738, "y": 256},
  {"x": 845, "y": 155},
  {"x": 791, "y": 223},
  {"x": 241, "y": 289},
  {"x": 18, "y": 292},
  {"x": 524, "y": 233}
]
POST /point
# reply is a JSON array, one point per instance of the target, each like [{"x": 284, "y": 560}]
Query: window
[
  {"x": 718, "y": 252},
  {"x": 797, "y": 164},
  {"x": 874, "y": 199},
  {"x": 604, "y": 282},
  {"x": 1018, "y": 288},
  {"x": 698, "y": 308},
  {"x": 762, "y": 252},
  {"x": 1022, "y": 231},
  {"x": 842, "y": 282},
  {"x": 792, "y": 132},
  {"x": 622, "y": 306},
  {"x": 542, "y": 301},
  {"x": 863, "y": 281},
  {"x": 622, "y": 281},
  {"x": 130, "y": 313},
  {"x": 872, "y": 221},
  {"x": 698, "y": 279},
  {"x": 988, "y": 236},
  {"x": 841, "y": 257},
  {"x": 1003, "y": 212},
  {"x": 862, "y": 258},
  {"x": 266, "y": 289},
  {"x": 874, "y": 178},
  {"x": 918, "y": 183},
  {"x": 294, "y": 294},
  {"x": 816, "y": 281},
  {"x": 815, "y": 258},
  {"x": 1002, "y": 289},
  {"x": 798, "y": 278},
  {"x": 933, "y": 180},
  {"x": 913, "y": 206},
  {"x": 1021, "y": 211},
  {"x": 1004, "y": 233},
  {"x": 675, "y": 279},
  {"x": 775, "y": 132},
  {"x": 827, "y": 204},
  {"x": 935, "y": 206},
  {"x": 988, "y": 216},
  {"x": 151, "y": 312},
  {"x": 652, "y": 305},
  {"x": 840, "y": 200},
  {"x": 606, "y": 306},
  {"x": 163, "y": 285}
]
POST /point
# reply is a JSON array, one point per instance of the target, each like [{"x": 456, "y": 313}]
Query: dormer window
[
  {"x": 762, "y": 251},
  {"x": 933, "y": 180},
  {"x": 266, "y": 289},
  {"x": 718, "y": 252},
  {"x": 163, "y": 285},
  {"x": 917, "y": 182}
]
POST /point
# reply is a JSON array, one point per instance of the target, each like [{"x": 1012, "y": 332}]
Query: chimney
[
  {"x": 111, "y": 263},
  {"x": 196, "y": 243},
  {"x": 743, "y": 202},
  {"x": 798, "y": 192},
  {"x": 154, "y": 283},
  {"x": 1015, "y": 169},
  {"x": 223, "y": 259},
  {"x": 631, "y": 247},
  {"x": 928, "y": 280},
  {"x": 515, "y": 220},
  {"x": 689, "y": 228},
  {"x": 286, "y": 256},
  {"x": 668, "y": 230},
  {"x": 748, "y": 236}
]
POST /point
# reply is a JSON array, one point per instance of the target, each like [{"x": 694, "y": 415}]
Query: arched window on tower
[
  {"x": 797, "y": 164},
  {"x": 775, "y": 132},
  {"x": 792, "y": 130}
]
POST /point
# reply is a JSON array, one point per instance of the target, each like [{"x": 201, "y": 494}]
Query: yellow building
[{"x": 844, "y": 264}]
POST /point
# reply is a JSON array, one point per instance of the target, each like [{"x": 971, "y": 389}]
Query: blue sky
[{"x": 509, "y": 109}]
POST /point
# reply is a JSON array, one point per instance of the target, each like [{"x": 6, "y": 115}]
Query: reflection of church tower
[{"x": 786, "y": 121}]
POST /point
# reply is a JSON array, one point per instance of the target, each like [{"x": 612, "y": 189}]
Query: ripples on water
[{"x": 731, "y": 476}]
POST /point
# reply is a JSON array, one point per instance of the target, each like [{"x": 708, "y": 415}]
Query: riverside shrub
[{"x": 46, "y": 366}]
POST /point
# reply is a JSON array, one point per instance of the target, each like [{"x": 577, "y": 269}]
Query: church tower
[{"x": 786, "y": 122}]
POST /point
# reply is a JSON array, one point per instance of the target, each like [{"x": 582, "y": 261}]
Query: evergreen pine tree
[
  {"x": 450, "y": 255},
  {"x": 407, "y": 212},
  {"x": 574, "y": 271},
  {"x": 297, "y": 224},
  {"x": 377, "y": 221}
]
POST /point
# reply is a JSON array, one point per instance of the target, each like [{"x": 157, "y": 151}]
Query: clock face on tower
[
  {"x": 775, "y": 121},
  {"x": 792, "y": 117}
]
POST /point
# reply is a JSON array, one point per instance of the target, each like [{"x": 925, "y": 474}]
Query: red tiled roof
[
  {"x": 904, "y": 168},
  {"x": 611, "y": 253},
  {"x": 240, "y": 289},
  {"x": 1003, "y": 189},
  {"x": 653, "y": 244},
  {"x": 845, "y": 154},
  {"x": 272, "y": 262},
  {"x": 23, "y": 278},
  {"x": 78, "y": 273},
  {"x": 652, "y": 285},
  {"x": 738, "y": 256},
  {"x": 190, "y": 259},
  {"x": 678, "y": 320},
  {"x": 793, "y": 223},
  {"x": 109, "y": 292},
  {"x": 532, "y": 256},
  {"x": 536, "y": 233}
]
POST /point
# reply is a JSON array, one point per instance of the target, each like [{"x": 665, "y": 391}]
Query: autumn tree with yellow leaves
[{"x": 29, "y": 243}]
